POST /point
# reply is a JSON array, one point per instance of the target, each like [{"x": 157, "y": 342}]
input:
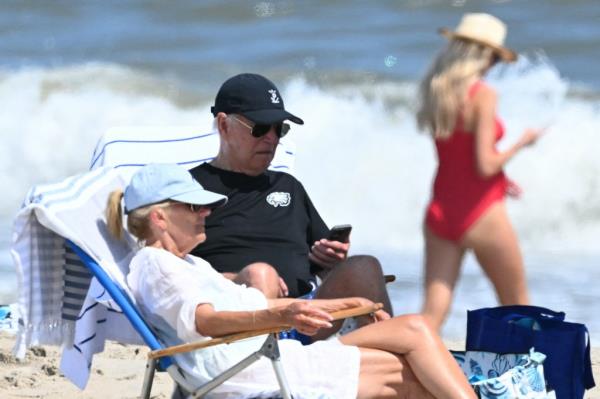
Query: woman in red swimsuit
[{"x": 467, "y": 208}]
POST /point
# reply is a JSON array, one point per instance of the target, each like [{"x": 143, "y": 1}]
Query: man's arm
[{"x": 323, "y": 252}]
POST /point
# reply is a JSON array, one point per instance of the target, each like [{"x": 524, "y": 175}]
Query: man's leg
[
  {"x": 259, "y": 275},
  {"x": 359, "y": 275}
]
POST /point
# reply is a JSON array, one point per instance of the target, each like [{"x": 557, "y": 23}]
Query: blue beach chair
[
  {"x": 62, "y": 285},
  {"x": 160, "y": 356}
]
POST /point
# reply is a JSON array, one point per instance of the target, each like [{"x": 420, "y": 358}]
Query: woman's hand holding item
[
  {"x": 305, "y": 317},
  {"x": 529, "y": 137}
]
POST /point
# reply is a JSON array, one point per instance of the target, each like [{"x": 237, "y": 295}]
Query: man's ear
[{"x": 222, "y": 123}]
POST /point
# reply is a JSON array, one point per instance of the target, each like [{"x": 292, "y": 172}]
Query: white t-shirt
[{"x": 168, "y": 289}]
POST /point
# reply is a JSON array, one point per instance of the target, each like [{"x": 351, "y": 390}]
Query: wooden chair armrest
[
  {"x": 227, "y": 339},
  {"x": 357, "y": 311}
]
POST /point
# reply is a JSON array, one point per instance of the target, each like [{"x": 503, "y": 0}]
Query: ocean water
[{"x": 69, "y": 71}]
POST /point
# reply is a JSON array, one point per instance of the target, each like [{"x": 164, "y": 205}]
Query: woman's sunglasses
[
  {"x": 193, "y": 207},
  {"x": 281, "y": 128},
  {"x": 197, "y": 208}
]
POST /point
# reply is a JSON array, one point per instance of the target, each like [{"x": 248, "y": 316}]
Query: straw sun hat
[{"x": 484, "y": 29}]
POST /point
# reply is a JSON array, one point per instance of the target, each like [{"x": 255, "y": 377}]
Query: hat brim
[
  {"x": 201, "y": 197},
  {"x": 270, "y": 116},
  {"x": 505, "y": 54}
]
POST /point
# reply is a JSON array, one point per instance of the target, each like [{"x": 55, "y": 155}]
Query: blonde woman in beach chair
[
  {"x": 72, "y": 284},
  {"x": 186, "y": 300}
]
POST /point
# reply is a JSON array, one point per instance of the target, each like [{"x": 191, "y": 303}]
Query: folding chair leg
[
  {"x": 209, "y": 386},
  {"x": 148, "y": 378},
  {"x": 269, "y": 349},
  {"x": 285, "y": 389}
]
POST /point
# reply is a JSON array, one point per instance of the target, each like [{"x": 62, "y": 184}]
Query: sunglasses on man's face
[{"x": 281, "y": 128}]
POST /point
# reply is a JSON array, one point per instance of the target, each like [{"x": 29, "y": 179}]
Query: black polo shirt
[{"x": 268, "y": 218}]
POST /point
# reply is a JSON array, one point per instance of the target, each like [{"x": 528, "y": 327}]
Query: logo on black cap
[
  {"x": 241, "y": 94},
  {"x": 274, "y": 97}
]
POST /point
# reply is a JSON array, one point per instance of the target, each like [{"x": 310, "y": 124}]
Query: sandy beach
[{"x": 116, "y": 373}]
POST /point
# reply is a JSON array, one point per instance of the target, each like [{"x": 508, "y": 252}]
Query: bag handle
[
  {"x": 588, "y": 376},
  {"x": 512, "y": 312}
]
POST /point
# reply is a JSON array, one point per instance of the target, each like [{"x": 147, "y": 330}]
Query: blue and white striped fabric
[
  {"x": 131, "y": 147},
  {"x": 57, "y": 297}
]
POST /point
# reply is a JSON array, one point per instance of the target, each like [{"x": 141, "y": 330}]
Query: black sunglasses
[
  {"x": 281, "y": 128},
  {"x": 196, "y": 208}
]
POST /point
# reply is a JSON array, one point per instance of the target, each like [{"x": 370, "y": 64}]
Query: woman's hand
[
  {"x": 513, "y": 189},
  {"x": 376, "y": 316},
  {"x": 305, "y": 317},
  {"x": 334, "y": 305},
  {"x": 529, "y": 137}
]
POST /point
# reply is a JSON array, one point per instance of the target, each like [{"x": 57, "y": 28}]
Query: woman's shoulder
[
  {"x": 153, "y": 260},
  {"x": 483, "y": 96},
  {"x": 482, "y": 89}
]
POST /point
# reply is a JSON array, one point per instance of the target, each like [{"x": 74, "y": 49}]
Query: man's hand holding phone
[{"x": 329, "y": 252}]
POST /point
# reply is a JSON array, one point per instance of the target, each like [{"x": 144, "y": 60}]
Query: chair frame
[{"x": 160, "y": 357}]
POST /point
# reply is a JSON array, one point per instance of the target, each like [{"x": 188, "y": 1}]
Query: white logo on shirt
[
  {"x": 274, "y": 97},
  {"x": 279, "y": 199}
]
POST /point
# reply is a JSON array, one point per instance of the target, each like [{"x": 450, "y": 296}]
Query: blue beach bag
[{"x": 515, "y": 329}]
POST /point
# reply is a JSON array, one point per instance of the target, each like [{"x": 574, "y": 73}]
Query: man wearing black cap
[{"x": 270, "y": 219}]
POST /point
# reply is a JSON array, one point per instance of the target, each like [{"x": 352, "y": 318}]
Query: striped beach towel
[
  {"x": 130, "y": 147},
  {"x": 58, "y": 300}
]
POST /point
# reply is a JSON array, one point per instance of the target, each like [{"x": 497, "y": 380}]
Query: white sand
[{"x": 118, "y": 372}]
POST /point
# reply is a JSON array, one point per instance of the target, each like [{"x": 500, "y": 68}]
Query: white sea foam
[
  {"x": 51, "y": 119},
  {"x": 360, "y": 154}
]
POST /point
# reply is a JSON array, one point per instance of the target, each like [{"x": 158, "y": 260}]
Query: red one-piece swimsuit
[{"x": 460, "y": 194}]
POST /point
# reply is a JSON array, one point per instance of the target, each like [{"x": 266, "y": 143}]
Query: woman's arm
[
  {"x": 301, "y": 315},
  {"x": 489, "y": 161},
  {"x": 327, "y": 305},
  {"x": 305, "y": 316},
  {"x": 333, "y": 305}
]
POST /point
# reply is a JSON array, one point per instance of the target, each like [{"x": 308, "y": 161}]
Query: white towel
[
  {"x": 53, "y": 286},
  {"x": 130, "y": 147}
]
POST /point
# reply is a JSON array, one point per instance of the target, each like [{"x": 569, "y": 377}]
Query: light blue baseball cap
[{"x": 158, "y": 182}]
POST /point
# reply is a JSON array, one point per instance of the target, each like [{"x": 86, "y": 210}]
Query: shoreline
[{"x": 116, "y": 372}]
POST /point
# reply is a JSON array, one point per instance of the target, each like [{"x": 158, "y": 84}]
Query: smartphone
[{"x": 340, "y": 232}]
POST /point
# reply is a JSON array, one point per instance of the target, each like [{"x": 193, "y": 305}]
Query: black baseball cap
[{"x": 254, "y": 97}]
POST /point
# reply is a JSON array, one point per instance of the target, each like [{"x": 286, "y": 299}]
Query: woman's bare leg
[
  {"x": 387, "y": 375},
  {"x": 496, "y": 247},
  {"x": 443, "y": 259},
  {"x": 413, "y": 337}
]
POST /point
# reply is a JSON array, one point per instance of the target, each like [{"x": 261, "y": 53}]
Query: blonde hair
[
  {"x": 138, "y": 223},
  {"x": 442, "y": 90}
]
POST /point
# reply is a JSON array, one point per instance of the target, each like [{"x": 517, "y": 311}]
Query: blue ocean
[{"x": 69, "y": 71}]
